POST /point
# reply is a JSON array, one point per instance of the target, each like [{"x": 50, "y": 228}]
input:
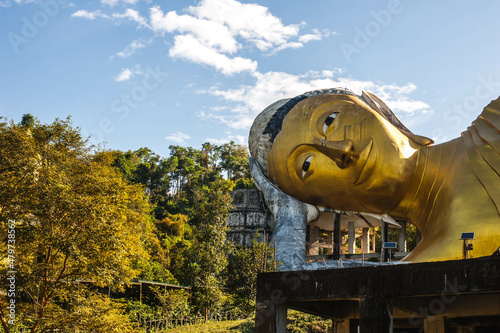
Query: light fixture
[
  {"x": 389, "y": 246},
  {"x": 466, "y": 247}
]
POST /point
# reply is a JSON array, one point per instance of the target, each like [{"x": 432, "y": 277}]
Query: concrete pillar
[
  {"x": 331, "y": 242},
  {"x": 270, "y": 317},
  {"x": 313, "y": 241},
  {"x": 375, "y": 315},
  {"x": 434, "y": 324},
  {"x": 341, "y": 326},
  {"x": 402, "y": 237},
  {"x": 465, "y": 329},
  {"x": 385, "y": 238},
  {"x": 373, "y": 240},
  {"x": 365, "y": 240},
  {"x": 351, "y": 238},
  {"x": 281, "y": 318},
  {"x": 265, "y": 317},
  {"x": 337, "y": 236}
]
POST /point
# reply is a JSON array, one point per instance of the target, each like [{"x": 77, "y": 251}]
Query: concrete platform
[{"x": 451, "y": 296}]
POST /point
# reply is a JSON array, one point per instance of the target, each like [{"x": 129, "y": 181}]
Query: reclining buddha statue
[{"x": 334, "y": 149}]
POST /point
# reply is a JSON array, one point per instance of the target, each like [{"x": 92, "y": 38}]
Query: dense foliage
[
  {"x": 76, "y": 219},
  {"x": 87, "y": 219},
  {"x": 171, "y": 182}
]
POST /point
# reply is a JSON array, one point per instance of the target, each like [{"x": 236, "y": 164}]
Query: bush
[{"x": 299, "y": 322}]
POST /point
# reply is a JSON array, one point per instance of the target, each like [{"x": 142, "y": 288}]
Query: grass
[
  {"x": 298, "y": 322},
  {"x": 238, "y": 326}
]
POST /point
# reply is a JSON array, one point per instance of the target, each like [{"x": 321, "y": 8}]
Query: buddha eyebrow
[{"x": 274, "y": 125}]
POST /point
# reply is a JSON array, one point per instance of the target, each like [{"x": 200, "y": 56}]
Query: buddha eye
[
  {"x": 328, "y": 121},
  {"x": 306, "y": 165}
]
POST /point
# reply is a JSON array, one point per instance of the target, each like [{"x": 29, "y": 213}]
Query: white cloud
[
  {"x": 309, "y": 37},
  {"x": 129, "y": 14},
  {"x": 238, "y": 121},
  {"x": 189, "y": 48},
  {"x": 211, "y": 32},
  {"x": 128, "y": 73},
  {"x": 124, "y": 75},
  {"x": 129, "y": 49},
  {"x": 316, "y": 35},
  {"x": 89, "y": 15},
  {"x": 245, "y": 102},
  {"x": 239, "y": 139},
  {"x": 291, "y": 45},
  {"x": 217, "y": 141},
  {"x": 112, "y": 3},
  {"x": 178, "y": 137},
  {"x": 8, "y": 3},
  {"x": 252, "y": 22},
  {"x": 132, "y": 15}
]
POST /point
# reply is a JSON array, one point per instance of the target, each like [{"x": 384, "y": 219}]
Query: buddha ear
[{"x": 376, "y": 103}]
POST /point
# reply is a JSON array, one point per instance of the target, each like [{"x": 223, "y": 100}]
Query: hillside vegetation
[{"x": 88, "y": 219}]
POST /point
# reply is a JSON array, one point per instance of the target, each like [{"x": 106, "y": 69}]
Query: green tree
[
  {"x": 90, "y": 312},
  {"x": 210, "y": 155},
  {"x": 187, "y": 168},
  {"x": 173, "y": 230},
  {"x": 209, "y": 252},
  {"x": 171, "y": 182},
  {"x": 28, "y": 121},
  {"x": 234, "y": 159},
  {"x": 242, "y": 269},
  {"x": 174, "y": 303},
  {"x": 76, "y": 219},
  {"x": 145, "y": 167}
]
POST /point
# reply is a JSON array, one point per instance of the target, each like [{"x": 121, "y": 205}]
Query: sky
[{"x": 145, "y": 73}]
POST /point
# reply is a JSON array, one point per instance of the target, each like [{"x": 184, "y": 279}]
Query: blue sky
[{"x": 135, "y": 73}]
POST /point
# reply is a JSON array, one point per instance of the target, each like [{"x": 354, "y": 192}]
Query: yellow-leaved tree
[{"x": 75, "y": 222}]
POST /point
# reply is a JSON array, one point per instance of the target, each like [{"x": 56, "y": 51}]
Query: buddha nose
[{"x": 339, "y": 151}]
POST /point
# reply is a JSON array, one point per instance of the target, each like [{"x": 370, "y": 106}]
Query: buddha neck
[{"x": 433, "y": 164}]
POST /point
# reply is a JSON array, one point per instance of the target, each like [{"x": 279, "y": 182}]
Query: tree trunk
[{"x": 4, "y": 321}]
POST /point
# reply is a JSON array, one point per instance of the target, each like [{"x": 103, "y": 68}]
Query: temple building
[
  {"x": 248, "y": 217},
  {"x": 357, "y": 234}
]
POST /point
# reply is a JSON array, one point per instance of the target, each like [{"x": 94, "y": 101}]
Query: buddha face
[{"x": 335, "y": 151}]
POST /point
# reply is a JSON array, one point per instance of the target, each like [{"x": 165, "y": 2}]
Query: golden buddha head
[{"x": 335, "y": 149}]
